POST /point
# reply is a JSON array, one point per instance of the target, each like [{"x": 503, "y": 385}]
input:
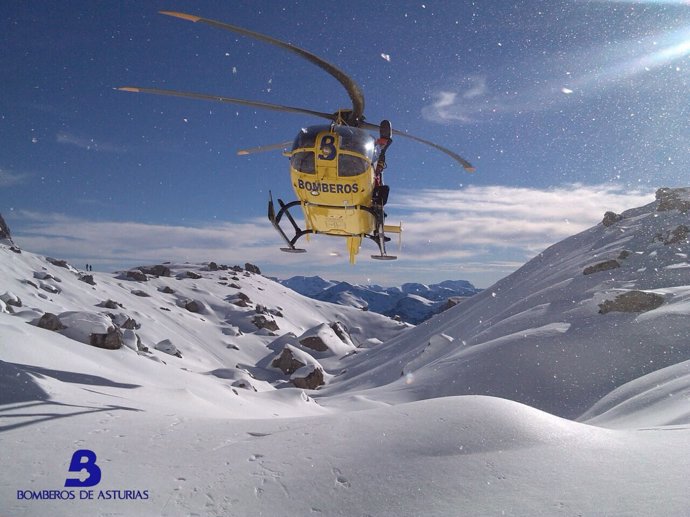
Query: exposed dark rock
[
  {"x": 110, "y": 341},
  {"x": 678, "y": 234},
  {"x": 311, "y": 381},
  {"x": 58, "y": 262},
  {"x": 7, "y": 237},
  {"x": 111, "y": 304},
  {"x": 340, "y": 331},
  {"x": 623, "y": 255},
  {"x": 167, "y": 290},
  {"x": 611, "y": 218},
  {"x": 192, "y": 275},
  {"x": 601, "y": 266},
  {"x": 314, "y": 342},
  {"x": 212, "y": 266},
  {"x": 157, "y": 270},
  {"x": 4, "y": 230},
  {"x": 50, "y": 321},
  {"x": 88, "y": 279},
  {"x": 135, "y": 274},
  {"x": 263, "y": 322},
  {"x": 286, "y": 362},
  {"x": 673, "y": 199},
  {"x": 252, "y": 268},
  {"x": 194, "y": 306},
  {"x": 139, "y": 292},
  {"x": 11, "y": 299},
  {"x": 632, "y": 301}
]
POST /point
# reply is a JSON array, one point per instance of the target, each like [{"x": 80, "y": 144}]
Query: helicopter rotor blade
[
  {"x": 465, "y": 164},
  {"x": 263, "y": 148},
  {"x": 228, "y": 100},
  {"x": 353, "y": 90}
]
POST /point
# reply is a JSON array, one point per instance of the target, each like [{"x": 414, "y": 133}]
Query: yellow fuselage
[{"x": 333, "y": 178}]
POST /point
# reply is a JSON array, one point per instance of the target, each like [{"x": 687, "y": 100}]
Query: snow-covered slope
[
  {"x": 411, "y": 302},
  {"x": 200, "y": 409},
  {"x": 220, "y": 325},
  {"x": 546, "y": 335}
]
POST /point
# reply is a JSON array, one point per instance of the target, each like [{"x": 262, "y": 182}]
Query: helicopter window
[
  {"x": 303, "y": 161},
  {"x": 350, "y": 165},
  {"x": 357, "y": 141},
  {"x": 306, "y": 138}
]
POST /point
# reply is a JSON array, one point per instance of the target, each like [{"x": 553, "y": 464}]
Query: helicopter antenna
[{"x": 352, "y": 88}]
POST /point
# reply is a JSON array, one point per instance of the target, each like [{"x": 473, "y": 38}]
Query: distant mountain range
[{"x": 411, "y": 302}]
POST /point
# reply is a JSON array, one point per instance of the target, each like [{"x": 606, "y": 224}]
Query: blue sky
[{"x": 566, "y": 108}]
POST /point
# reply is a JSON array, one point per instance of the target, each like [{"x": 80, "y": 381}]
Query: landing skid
[
  {"x": 379, "y": 236},
  {"x": 275, "y": 221}
]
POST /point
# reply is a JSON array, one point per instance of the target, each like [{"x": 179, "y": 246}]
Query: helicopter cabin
[{"x": 331, "y": 168}]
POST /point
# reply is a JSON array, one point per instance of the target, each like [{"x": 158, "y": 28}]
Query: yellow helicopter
[{"x": 336, "y": 169}]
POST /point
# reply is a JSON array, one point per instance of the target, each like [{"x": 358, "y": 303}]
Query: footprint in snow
[{"x": 340, "y": 480}]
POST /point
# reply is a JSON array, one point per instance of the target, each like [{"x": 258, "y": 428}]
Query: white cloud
[
  {"x": 491, "y": 226},
  {"x": 10, "y": 179},
  {"x": 479, "y": 233}
]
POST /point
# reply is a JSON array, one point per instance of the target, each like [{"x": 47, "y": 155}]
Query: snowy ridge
[
  {"x": 211, "y": 388},
  {"x": 411, "y": 302},
  {"x": 539, "y": 336},
  {"x": 198, "y": 319}
]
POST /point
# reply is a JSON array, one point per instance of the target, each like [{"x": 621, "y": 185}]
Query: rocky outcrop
[
  {"x": 11, "y": 299},
  {"x": 314, "y": 342},
  {"x": 88, "y": 279},
  {"x": 632, "y": 301},
  {"x": 50, "y": 321},
  {"x": 194, "y": 306},
  {"x": 157, "y": 270},
  {"x": 611, "y": 218},
  {"x": 673, "y": 199},
  {"x": 112, "y": 340},
  {"x": 110, "y": 304},
  {"x": 286, "y": 362},
  {"x": 674, "y": 236},
  {"x": 59, "y": 262},
  {"x": 251, "y": 268},
  {"x": 5, "y": 230},
  {"x": 136, "y": 275},
  {"x": 262, "y": 322},
  {"x": 312, "y": 378},
  {"x": 601, "y": 266}
]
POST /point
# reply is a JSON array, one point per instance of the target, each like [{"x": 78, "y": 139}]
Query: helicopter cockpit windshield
[{"x": 355, "y": 149}]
